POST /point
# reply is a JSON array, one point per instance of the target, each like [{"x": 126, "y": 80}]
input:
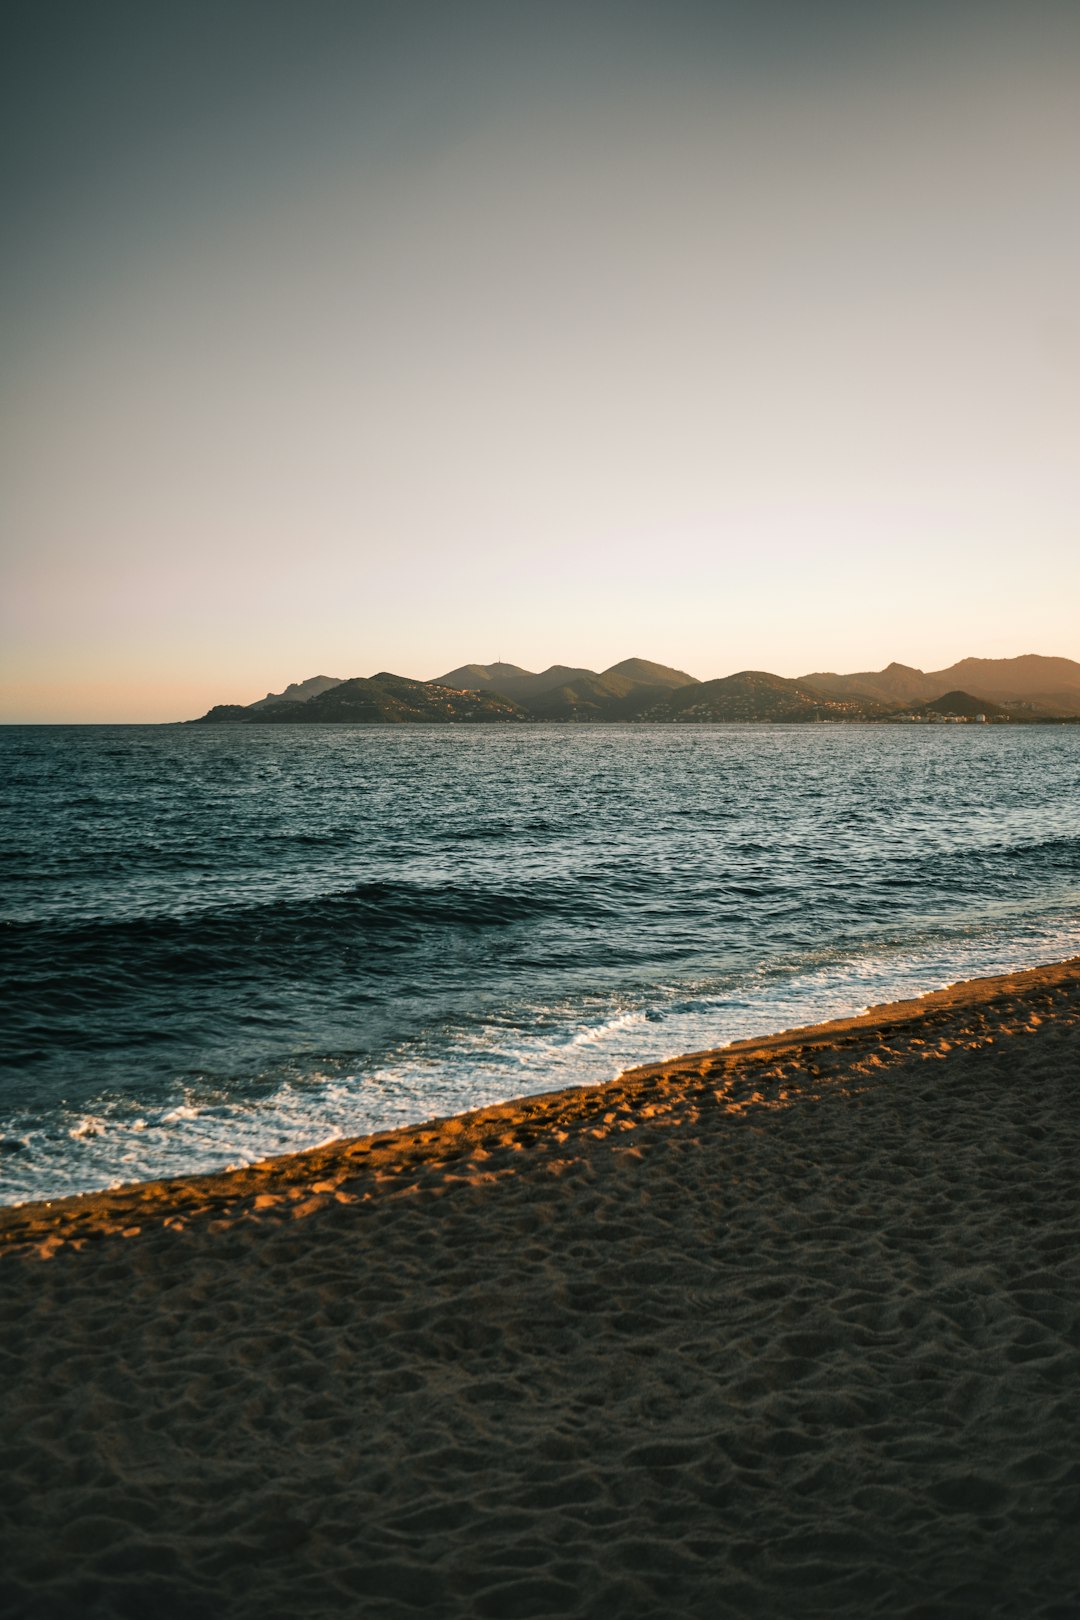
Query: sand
[{"x": 786, "y": 1329}]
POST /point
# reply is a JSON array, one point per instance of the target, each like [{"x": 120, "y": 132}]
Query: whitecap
[
  {"x": 596, "y": 1033},
  {"x": 89, "y": 1125}
]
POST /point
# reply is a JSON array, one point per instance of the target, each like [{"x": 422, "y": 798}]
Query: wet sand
[{"x": 787, "y": 1329}]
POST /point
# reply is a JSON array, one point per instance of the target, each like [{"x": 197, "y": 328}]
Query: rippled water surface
[{"x": 220, "y": 943}]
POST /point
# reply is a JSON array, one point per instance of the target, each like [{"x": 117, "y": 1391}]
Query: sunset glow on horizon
[{"x": 349, "y": 338}]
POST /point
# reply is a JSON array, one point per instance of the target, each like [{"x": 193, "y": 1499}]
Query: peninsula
[{"x": 1030, "y": 689}]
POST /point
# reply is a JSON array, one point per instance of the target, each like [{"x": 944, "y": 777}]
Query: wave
[
  {"x": 384, "y": 910},
  {"x": 505, "y": 1051},
  {"x": 388, "y": 932},
  {"x": 1063, "y": 846}
]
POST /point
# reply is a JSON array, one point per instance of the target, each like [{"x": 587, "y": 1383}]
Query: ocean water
[{"x": 217, "y": 944}]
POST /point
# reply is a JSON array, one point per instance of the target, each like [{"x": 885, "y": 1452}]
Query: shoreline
[
  {"x": 442, "y": 1139},
  {"x": 785, "y": 1328}
]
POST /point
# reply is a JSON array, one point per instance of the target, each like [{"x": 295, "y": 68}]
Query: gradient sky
[{"x": 338, "y": 338}]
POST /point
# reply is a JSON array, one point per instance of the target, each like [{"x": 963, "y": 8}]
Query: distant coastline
[{"x": 1029, "y": 690}]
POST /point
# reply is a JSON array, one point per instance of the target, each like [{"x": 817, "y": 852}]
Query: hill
[
  {"x": 646, "y": 673},
  {"x": 1046, "y": 686},
  {"x": 964, "y": 706},
  {"x": 299, "y": 691},
  {"x": 474, "y": 692},
  {"x": 479, "y": 677},
  {"x": 896, "y": 684},
  {"x": 598, "y": 698},
  {"x": 564, "y": 693},
  {"x": 522, "y": 685},
  {"x": 1031, "y": 688},
  {"x": 754, "y": 694},
  {"x": 379, "y": 699}
]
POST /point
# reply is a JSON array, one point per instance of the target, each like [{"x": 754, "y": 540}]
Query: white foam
[
  {"x": 543, "y": 1046},
  {"x": 90, "y": 1125},
  {"x": 598, "y": 1033}
]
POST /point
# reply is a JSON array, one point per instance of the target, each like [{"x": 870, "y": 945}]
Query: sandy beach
[{"x": 788, "y": 1328}]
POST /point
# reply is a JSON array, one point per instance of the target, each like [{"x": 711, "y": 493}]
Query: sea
[{"x": 221, "y": 943}]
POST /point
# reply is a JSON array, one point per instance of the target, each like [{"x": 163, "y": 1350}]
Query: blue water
[{"x": 221, "y": 943}]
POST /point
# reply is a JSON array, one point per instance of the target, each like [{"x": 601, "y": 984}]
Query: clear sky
[{"x": 339, "y": 338}]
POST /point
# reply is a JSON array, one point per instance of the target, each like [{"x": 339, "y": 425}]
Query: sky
[{"x": 337, "y": 338}]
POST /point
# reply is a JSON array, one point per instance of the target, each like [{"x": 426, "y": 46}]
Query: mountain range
[{"x": 1031, "y": 687}]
